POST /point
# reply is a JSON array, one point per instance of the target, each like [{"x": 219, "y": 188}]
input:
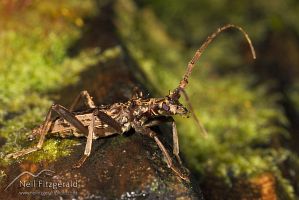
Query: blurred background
[{"x": 249, "y": 107}]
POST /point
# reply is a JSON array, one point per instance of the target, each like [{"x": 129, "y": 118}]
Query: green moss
[
  {"x": 35, "y": 106},
  {"x": 53, "y": 149},
  {"x": 35, "y": 62}
]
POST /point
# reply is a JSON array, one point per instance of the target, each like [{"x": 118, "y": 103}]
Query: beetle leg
[
  {"x": 62, "y": 112},
  {"x": 43, "y": 131},
  {"x": 109, "y": 120},
  {"x": 70, "y": 117},
  {"x": 196, "y": 119},
  {"x": 87, "y": 99},
  {"x": 175, "y": 138},
  {"x": 88, "y": 144},
  {"x": 168, "y": 159},
  {"x": 91, "y": 128},
  {"x": 152, "y": 134}
]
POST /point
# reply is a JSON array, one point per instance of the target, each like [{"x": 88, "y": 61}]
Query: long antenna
[
  {"x": 197, "y": 121},
  {"x": 183, "y": 83}
]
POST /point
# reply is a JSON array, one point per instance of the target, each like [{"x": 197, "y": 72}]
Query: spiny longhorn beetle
[{"x": 138, "y": 113}]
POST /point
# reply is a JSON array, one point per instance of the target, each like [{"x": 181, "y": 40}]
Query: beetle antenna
[
  {"x": 197, "y": 121},
  {"x": 183, "y": 83}
]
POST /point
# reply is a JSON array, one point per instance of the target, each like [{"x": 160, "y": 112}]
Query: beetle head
[{"x": 169, "y": 106}]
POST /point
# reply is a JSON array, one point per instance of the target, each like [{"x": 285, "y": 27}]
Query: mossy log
[{"x": 120, "y": 167}]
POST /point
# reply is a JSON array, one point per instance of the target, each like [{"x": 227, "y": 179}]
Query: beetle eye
[{"x": 165, "y": 107}]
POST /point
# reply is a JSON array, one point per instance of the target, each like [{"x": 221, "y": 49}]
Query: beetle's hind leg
[
  {"x": 91, "y": 128},
  {"x": 88, "y": 144},
  {"x": 87, "y": 99},
  {"x": 43, "y": 130}
]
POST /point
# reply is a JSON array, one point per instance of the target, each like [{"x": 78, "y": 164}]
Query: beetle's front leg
[
  {"x": 175, "y": 139},
  {"x": 148, "y": 132}
]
